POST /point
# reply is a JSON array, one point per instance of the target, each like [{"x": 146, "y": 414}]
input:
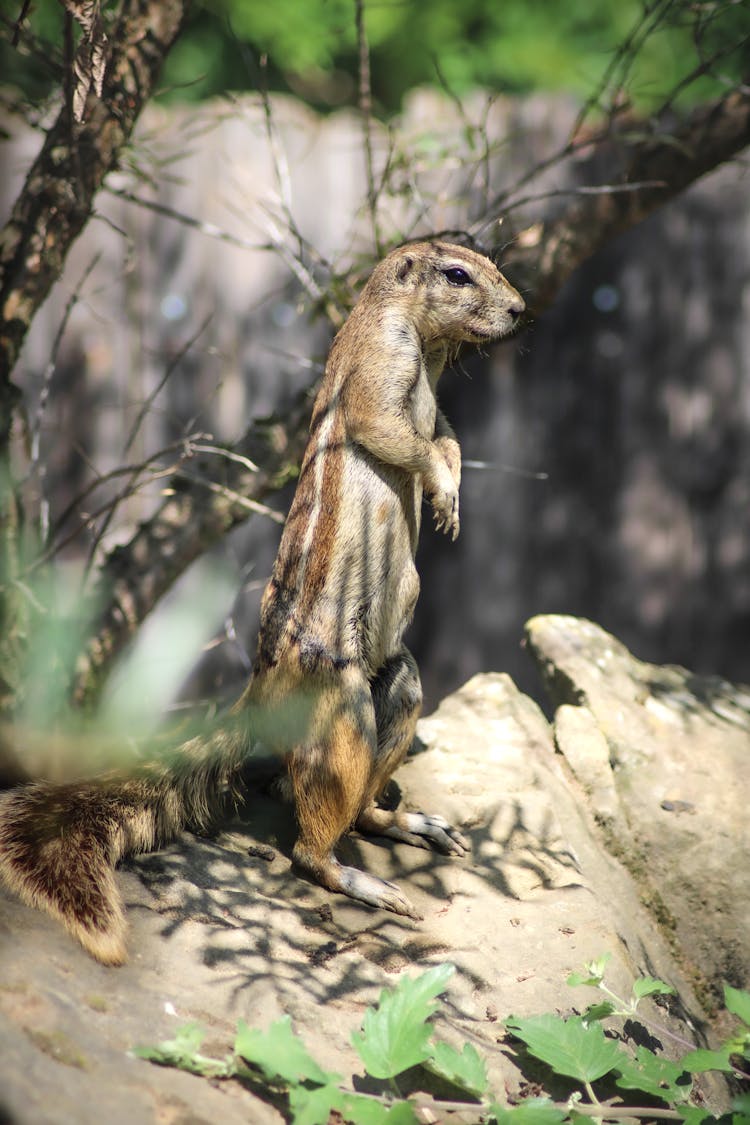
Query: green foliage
[
  {"x": 536, "y": 1111},
  {"x": 183, "y": 1053},
  {"x": 464, "y": 1068},
  {"x": 279, "y": 1054},
  {"x": 657, "y": 1077},
  {"x": 570, "y": 1047},
  {"x": 397, "y": 1035},
  {"x": 516, "y": 46},
  {"x": 738, "y": 1003}
]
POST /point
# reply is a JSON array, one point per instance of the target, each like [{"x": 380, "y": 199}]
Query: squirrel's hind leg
[
  {"x": 397, "y": 699},
  {"x": 330, "y": 779}
]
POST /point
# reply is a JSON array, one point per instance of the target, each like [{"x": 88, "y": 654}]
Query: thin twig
[
  {"x": 220, "y": 451},
  {"x": 365, "y": 109},
  {"x": 592, "y": 189},
  {"x": 235, "y": 497},
  {"x": 497, "y": 467},
  {"x": 36, "y": 463},
  {"x": 130, "y": 489},
  {"x": 121, "y": 471},
  {"x": 19, "y": 22},
  {"x": 622, "y": 62},
  {"x": 145, "y": 407},
  {"x": 209, "y": 229},
  {"x": 168, "y": 372}
]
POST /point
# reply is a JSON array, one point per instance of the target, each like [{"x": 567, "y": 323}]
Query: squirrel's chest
[{"x": 422, "y": 405}]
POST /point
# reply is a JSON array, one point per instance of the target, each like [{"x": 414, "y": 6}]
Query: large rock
[
  {"x": 218, "y": 934},
  {"x": 663, "y": 756}
]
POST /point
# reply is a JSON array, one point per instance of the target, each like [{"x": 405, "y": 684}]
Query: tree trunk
[{"x": 52, "y": 209}]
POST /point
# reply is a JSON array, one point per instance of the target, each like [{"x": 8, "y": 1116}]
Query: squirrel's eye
[{"x": 457, "y": 276}]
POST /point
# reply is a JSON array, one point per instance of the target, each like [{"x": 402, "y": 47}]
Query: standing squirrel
[{"x": 342, "y": 592}]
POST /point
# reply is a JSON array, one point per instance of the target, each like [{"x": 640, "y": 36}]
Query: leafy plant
[{"x": 397, "y": 1035}]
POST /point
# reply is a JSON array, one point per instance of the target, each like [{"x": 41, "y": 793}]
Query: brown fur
[{"x": 330, "y": 648}]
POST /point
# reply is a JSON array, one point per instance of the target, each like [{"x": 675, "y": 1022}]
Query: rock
[
  {"x": 665, "y": 757},
  {"x": 223, "y": 929}
]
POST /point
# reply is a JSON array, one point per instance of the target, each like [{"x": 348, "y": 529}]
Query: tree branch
[
  {"x": 659, "y": 160},
  {"x": 57, "y": 198},
  {"x": 198, "y": 511},
  {"x": 55, "y": 203}
]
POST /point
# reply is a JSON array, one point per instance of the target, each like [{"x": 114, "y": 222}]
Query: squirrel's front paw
[
  {"x": 450, "y": 451},
  {"x": 444, "y": 500}
]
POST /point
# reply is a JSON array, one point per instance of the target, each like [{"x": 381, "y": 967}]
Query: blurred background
[{"x": 607, "y": 444}]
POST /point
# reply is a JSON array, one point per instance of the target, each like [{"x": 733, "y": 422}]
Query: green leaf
[
  {"x": 699, "y": 1061},
  {"x": 738, "y": 1003},
  {"x": 568, "y": 1046},
  {"x": 396, "y": 1035},
  {"x": 182, "y": 1052},
  {"x": 596, "y": 1012},
  {"x": 279, "y": 1054},
  {"x": 593, "y": 972},
  {"x": 370, "y": 1111},
  {"x": 655, "y": 1076},
  {"x": 649, "y": 986},
  {"x": 535, "y": 1111},
  {"x": 310, "y": 1107},
  {"x": 466, "y": 1068},
  {"x": 695, "y": 1115}
]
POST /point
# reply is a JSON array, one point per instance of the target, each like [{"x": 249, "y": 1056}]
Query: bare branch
[
  {"x": 365, "y": 108},
  {"x": 661, "y": 157},
  {"x": 192, "y": 518},
  {"x": 209, "y": 229},
  {"x": 19, "y": 23},
  {"x": 36, "y": 464},
  {"x": 169, "y": 370}
]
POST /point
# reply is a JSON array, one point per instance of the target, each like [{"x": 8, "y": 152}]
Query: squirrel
[{"x": 342, "y": 592}]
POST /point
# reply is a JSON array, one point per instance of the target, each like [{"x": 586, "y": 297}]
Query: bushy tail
[{"x": 59, "y": 844}]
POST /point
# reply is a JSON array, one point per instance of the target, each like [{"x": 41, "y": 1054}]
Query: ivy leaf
[
  {"x": 396, "y": 1034},
  {"x": 466, "y": 1068},
  {"x": 279, "y": 1054},
  {"x": 183, "y": 1052},
  {"x": 535, "y": 1111},
  {"x": 738, "y": 1003},
  {"x": 655, "y": 1076},
  {"x": 568, "y": 1046},
  {"x": 593, "y": 972},
  {"x": 650, "y": 986}
]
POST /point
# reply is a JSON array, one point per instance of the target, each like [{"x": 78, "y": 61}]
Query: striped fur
[{"x": 330, "y": 648}]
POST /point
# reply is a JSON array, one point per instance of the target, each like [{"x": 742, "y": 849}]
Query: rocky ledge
[{"x": 619, "y": 827}]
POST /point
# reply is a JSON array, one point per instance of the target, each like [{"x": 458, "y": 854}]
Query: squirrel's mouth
[{"x": 480, "y": 335}]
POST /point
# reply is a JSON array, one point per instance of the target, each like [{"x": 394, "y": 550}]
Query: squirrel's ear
[{"x": 403, "y": 270}]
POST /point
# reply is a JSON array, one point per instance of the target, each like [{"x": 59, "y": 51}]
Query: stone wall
[{"x": 615, "y": 428}]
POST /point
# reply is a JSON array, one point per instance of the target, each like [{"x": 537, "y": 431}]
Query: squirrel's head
[{"x": 453, "y": 294}]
